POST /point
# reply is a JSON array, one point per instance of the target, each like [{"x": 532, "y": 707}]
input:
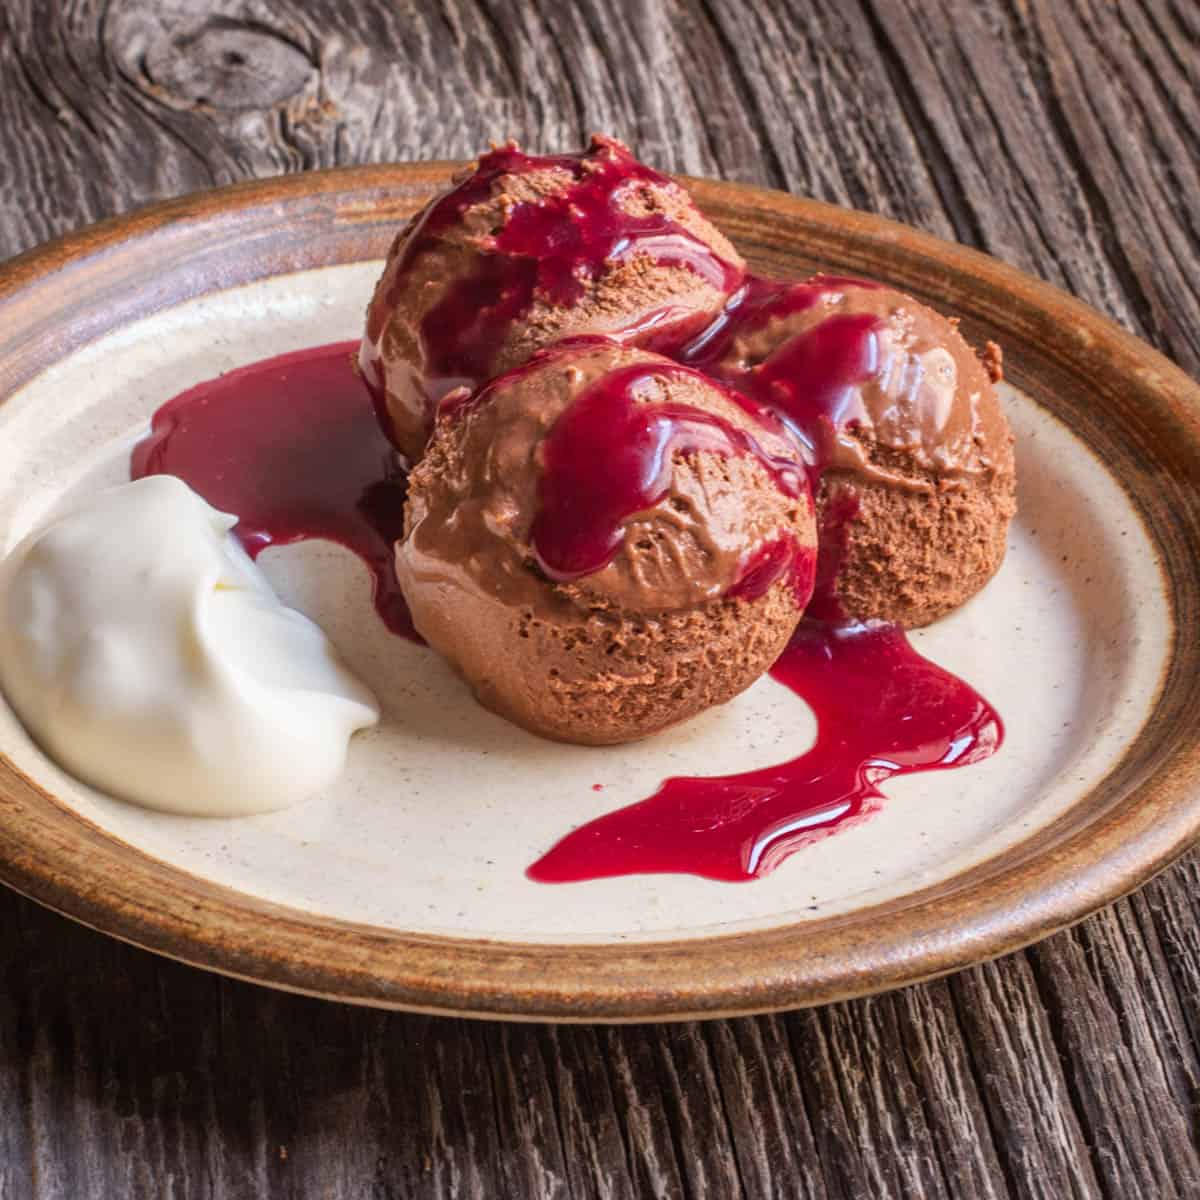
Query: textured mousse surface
[
  {"x": 526, "y": 250},
  {"x": 917, "y": 483},
  {"x": 698, "y": 593}
]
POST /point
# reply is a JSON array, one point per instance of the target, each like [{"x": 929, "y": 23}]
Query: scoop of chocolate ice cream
[
  {"x": 904, "y": 430},
  {"x": 526, "y": 250},
  {"x": 604, "y": 542}
]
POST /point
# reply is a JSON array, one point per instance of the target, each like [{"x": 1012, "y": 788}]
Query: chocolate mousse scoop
[
  {"x": 525, "y": 250},
  {"x": 909, "y": 449},
  {"x": 604, "y": 542}
]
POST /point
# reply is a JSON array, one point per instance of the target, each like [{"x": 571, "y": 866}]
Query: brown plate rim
[{"x": 1141, "y": 817}]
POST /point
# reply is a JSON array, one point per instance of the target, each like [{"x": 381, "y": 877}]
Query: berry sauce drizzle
[
  {"x": 609, "y": 456},
  {"x": 813, "y": 381},
  {"x": 881, "y": 710},
  {"x": 549, "y": 248},
  {"x": 292, "y": 448}
]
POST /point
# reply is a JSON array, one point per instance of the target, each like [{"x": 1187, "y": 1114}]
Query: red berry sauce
[
  {"x": 609, "y": 456},
  {"x": 292, "y": 448},
  {"x": 881, "y": 710},
  {"x": 549, "y": 249}
]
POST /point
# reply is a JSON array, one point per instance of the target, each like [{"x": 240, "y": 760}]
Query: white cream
[{"x": 150, "y": 657}]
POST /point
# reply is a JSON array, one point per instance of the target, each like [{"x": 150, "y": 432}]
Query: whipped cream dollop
[{"x": 148, "y": 655}]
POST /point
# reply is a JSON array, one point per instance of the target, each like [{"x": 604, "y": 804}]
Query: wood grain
[{"x": 1060, "y": 135}]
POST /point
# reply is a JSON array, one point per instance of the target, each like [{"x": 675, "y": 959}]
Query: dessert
[
  {"x": 148, "y": 655},
  {"x": 604, "y": 543},
  {"x": 910, "y": 451},
  {"x": 524, "y": 251}
]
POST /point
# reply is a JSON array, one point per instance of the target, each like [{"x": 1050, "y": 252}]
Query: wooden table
[{"x": 1060, "y": 135}]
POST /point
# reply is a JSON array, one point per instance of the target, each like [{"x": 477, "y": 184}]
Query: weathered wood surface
[{"x": 1060, "y": 135}]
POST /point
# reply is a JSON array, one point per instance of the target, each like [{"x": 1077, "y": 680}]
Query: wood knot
[{"x": 228, "y": 64}]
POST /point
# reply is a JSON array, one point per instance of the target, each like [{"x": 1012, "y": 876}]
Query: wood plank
[
  {"x": 764, "y": 1106},
  {"x": 595, "y": 1151},
  {"x": 1036, "y": 1131},
  {"x": 1101, "y": 998},
  {"x": 641, "y": 1103}
]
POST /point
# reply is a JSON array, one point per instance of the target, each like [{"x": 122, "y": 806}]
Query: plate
[{"x": 404, "y": 885}]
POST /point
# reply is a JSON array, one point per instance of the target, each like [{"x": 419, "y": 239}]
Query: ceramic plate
[{"x": 404, "y": 885}]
